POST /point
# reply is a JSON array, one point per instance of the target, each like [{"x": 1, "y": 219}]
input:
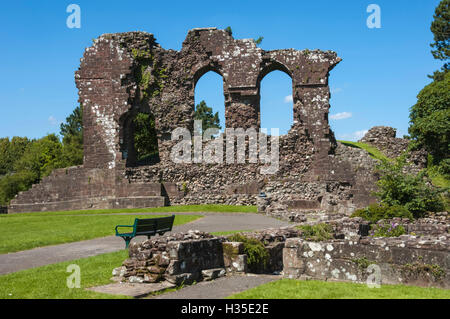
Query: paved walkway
[
  {"x": 211, "y": 222},
  {"x": 219, "y": 288}
]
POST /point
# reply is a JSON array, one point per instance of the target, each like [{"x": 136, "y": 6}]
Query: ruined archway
[
  {"x": 110, "y": 91},
  {"x": 138, "y": 139},
  {"x": 276, "y": 101},
  {"x": 209, "y": 90}
]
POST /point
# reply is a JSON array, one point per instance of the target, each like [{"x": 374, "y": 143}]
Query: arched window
[
  {"x": 209, "y": 100},
  {"x": 276, "y": 103},
  {"x": 138, "y": 141}
]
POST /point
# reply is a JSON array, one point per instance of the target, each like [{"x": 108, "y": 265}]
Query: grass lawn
[
  {"x": 50, "y": 282},
  {"x": 312, "y": 289},
  {"x": 26, "y": 231},
  {"x": 207, "y": 208}
]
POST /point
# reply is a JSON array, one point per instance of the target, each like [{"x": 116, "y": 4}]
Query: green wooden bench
[{"x": 146, "y": 227}]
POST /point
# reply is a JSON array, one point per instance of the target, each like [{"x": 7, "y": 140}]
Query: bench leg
[{"x": 127, "y": 241}]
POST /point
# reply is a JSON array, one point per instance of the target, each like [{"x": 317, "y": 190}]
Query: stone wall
[
  {"x": 421, "y": 261},
  {"x": 76, "y": 188},
  {"x": 178, "y": 258},
  {"x": 384, "y": 138},
  {"x": 420, "y": 257},
  {"x": 124, "y": 74}
]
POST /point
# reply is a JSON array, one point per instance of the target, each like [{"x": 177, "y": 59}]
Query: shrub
[
  {"x": 444, "y": 168},
  {"x": 430, "y": 119},
  {"x": 257, "y": 255},
  {"x": 388, "y": 230},
  {"x": 376, "y": 212},
  {"x": 318, "y": 232},
  {"x": 414, "y": 192}
]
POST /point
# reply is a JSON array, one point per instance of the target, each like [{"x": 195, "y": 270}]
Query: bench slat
[{"x": 148, "y": 227}]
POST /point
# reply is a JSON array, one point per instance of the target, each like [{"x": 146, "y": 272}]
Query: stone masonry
[{"x": 124, "y": 74}]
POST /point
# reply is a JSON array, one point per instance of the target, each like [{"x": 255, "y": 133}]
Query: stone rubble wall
[
  {"x": 123, "y": 74},
  {"x": 411, "y": 260},
  {"x": 422, "y": 259},
  {"x": 196, "y": 256},
  {"x": 384, "y": 138},
  {"x": 77, "y": 188},
  {"x": 178, "y": 258}
]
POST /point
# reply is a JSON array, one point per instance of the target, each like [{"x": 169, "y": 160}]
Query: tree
[
  {"x": 72, "y": 138},
  {"x": 41, "y": 157},
  {"x": 36, "y": 161},
  {"x": 205, "y": 114},
  {"x": 440, "y": 27},
  {"x": 73, "y": 128},
  {"x": 145, "y": 138},
  {"x": 24, "y": 162},
  {"x": 430, "y": 119},
  {"x": 11, "y": 151}
]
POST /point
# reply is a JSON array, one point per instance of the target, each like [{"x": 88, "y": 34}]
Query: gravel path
[{"x": 211, "y": 222}]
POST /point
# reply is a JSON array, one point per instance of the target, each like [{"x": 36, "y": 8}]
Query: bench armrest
[{"x": 117, "y": 233}]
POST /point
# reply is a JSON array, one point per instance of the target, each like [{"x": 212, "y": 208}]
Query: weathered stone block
[{"x": 211, "y": 274}]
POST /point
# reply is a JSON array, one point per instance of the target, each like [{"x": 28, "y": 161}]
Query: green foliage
[
  {"x": 376, "y": 212},
  {"x": 41, "y": 157},
  {"x": 25, "y": 162},
  {"x": 258, "y": 40},
  {"x": 184, "y": 188},
  {"x": 37, "y": 160},
  {"x": 417, "y": 269},
  {"x": 229, "y": 31},
  {"x": 11, "y": 185},
  {"x": 72, "y": 138},
  {"x": 257, "y": 254},
  {"x": 205, "y": 114},
  {"x": 11, "y": 151},
  {"x": 388, "y": 230},
  {"x": 149, "y": 74},
  {"x": 73, "y": 127},
  {"x": 444, "y": 168},
  {"x": 318, "y": 232},
  {"x": 373, "y": 151},
  {"x": 430, "y": 119},
  {"x": 412, "y": 191},
  {"x": 439, "y": 174},
  {"x": 440, "y": 27},
  {"x": 145, "y": 138},
  {"x": 363, "y": 262},
  {"x": 402, "y": 194}
]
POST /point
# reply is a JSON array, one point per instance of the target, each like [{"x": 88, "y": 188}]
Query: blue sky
[{"x": 376, "y": 83}]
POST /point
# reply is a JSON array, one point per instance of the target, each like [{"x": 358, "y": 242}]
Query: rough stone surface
[
  {"x": 125, "y": 73},
  {"x": 384, "y": 138},
  {"x": 177, "y": 258},
  {"x": 420, "y": 257},
  {"x": 407, "y": 259}
]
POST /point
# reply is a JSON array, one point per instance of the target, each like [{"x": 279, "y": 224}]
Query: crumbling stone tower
[{"x": 124, "y": 74}]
